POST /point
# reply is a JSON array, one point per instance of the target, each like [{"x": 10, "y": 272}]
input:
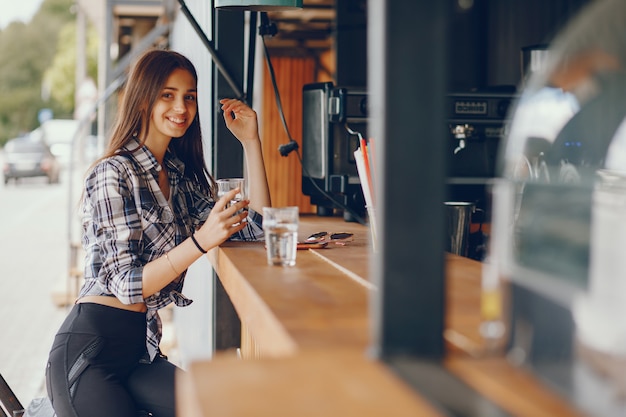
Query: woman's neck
[{"x": 158, "y": 148}]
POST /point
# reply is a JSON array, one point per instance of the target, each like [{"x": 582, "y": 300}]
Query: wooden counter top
[
  {"x": 309, "y": 305},
  {"x": 310, "y": 384},
  {"x": 310, "y": 328},
  {"x": 514, "y": 389}
]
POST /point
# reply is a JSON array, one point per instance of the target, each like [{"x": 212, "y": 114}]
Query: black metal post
[
  {"x": 407, "y": 85},
  {"x": 252, "y": 35}
]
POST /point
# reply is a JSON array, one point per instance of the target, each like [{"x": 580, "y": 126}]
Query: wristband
[{"x": 193, "y": 238}]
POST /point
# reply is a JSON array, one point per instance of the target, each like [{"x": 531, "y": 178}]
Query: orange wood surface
[
  {"x": 313, "y": 383},
  {"x": 310, "y": 305},
  {"x": 512, "y": 388},
  {"x": 284, "y": 174}
]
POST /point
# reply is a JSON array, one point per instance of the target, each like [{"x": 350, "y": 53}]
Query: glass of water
[
  {"x": 227, "y": 184},
  {"x": 280, "y": 226}
]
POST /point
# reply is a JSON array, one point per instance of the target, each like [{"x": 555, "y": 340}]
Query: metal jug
[{"x": 458, "y": 220}]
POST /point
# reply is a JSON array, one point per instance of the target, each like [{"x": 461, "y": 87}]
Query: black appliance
[
  {"x": 328, "y": 165},
  {"x": 476, "y": 124}
]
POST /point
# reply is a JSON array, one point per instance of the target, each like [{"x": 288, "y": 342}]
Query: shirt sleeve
[
  {"x": 253, "y": 230},
  {"x": 118, "y": 231}
]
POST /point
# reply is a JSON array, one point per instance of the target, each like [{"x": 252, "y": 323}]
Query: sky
[{"x": 23, "y": 10}]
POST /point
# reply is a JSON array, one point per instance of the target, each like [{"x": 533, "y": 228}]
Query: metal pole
[{"x": 252, "y": 25}]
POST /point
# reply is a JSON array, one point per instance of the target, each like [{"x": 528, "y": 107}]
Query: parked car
[
  {"x": 27, "y": 156},
  {"x": 58, "y": 134}
]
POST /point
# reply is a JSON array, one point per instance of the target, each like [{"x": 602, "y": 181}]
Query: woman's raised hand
[{"x": 240, "y": 119}]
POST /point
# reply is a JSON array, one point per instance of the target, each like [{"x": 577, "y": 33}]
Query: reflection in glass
[{"x": 559, "y": 224}]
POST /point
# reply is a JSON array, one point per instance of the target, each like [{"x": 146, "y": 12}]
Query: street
[{"x": 34, "y": 245}]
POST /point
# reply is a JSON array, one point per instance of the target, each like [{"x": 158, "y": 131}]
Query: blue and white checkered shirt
[{"x": 127, "y": 222}]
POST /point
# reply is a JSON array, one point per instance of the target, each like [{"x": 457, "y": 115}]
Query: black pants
[{"x": 95, "y": 366}]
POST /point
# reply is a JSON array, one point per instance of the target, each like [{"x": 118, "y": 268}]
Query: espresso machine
[
  {"x": 476, "y": 124},
  {"x": 333, "y": 118}
]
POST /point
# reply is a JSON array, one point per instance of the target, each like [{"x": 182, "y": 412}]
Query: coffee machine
[
  {"x": 476, "y": 124},
  {"x": 333, "y": 117}
]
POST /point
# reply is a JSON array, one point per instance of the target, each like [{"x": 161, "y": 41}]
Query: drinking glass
[
  {"x": 280, "y": 225},
  {"x": 226, "y": 184}
]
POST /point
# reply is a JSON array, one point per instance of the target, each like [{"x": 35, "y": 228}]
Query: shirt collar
[{"x": 146, "y": 159}]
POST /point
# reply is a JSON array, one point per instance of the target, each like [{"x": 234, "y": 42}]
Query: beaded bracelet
[{"x": 193, "y": 238}]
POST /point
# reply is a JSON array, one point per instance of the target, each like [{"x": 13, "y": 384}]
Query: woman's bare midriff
[{"x": 113, "y": 302}]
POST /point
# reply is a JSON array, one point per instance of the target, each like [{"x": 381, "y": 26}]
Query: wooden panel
[{"x": 285, "y": 173}]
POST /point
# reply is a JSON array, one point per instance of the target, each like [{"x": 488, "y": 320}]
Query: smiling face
[{"x": 175, "y": 108}]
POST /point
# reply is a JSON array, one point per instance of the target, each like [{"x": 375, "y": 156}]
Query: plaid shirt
[{"x": 127, "y": 222}]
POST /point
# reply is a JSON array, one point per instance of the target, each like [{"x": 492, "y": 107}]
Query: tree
[
  {"x": 59, "y": 77},
  {"x": 27, "y": 50}
]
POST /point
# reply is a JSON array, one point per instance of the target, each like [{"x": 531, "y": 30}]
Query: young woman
[{"x": 149, "y": 211}]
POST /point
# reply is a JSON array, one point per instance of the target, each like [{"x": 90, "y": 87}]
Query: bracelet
[
  {"x": 171, "y": 264},
  {"x": 197, "y": 244}
]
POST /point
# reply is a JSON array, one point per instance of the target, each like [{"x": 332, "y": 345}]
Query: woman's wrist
[
  {"x": 197, "y": 244},
  {"x": 251, "y": 141}
]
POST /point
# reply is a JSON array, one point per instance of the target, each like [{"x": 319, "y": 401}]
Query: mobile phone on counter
[{"x": 312, "y": 245}]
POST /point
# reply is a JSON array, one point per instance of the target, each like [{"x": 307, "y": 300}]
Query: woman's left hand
[{"x": 240, "y": 119}]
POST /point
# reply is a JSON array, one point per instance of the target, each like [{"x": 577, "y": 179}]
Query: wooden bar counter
[
  {"x": 310, "y": 305},
  {"x": 306, "y": 333}
]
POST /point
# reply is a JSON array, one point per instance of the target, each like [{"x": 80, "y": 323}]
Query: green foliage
[
  {"x": 59, "y": 77},
  {"x": 27, "y": 51}
]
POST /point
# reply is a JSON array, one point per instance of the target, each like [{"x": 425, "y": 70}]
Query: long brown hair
[{"x": 144, "y": 85}]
